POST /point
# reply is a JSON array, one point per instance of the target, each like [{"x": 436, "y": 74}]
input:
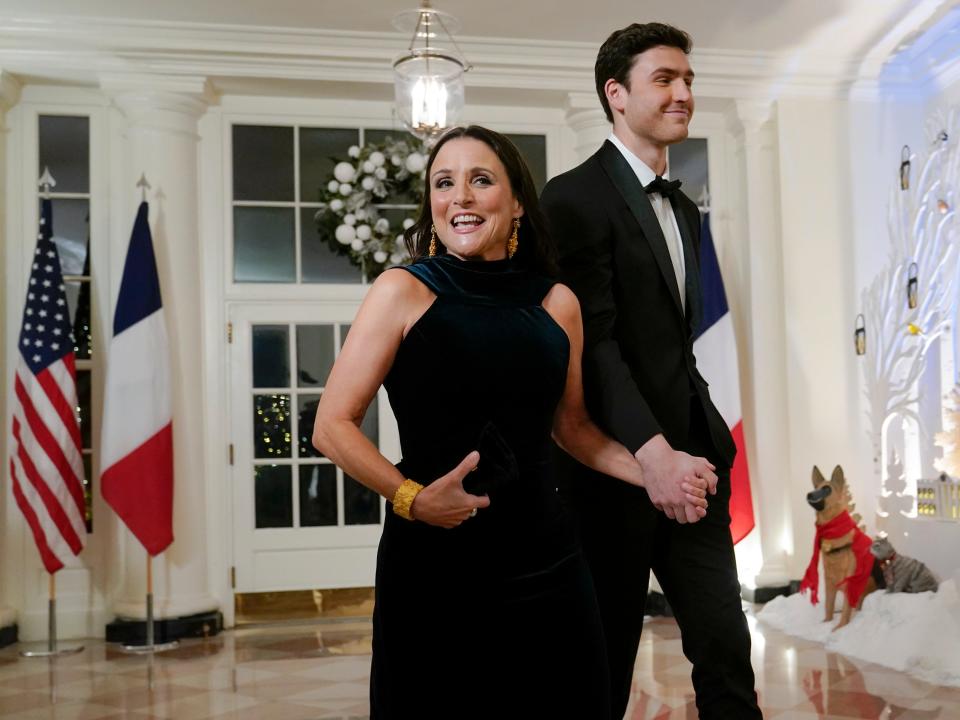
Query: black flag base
[
  {"x": 8, "y": 635},
  {"x": 131, "y": 631},
  {"x": 150, "y": 646}
]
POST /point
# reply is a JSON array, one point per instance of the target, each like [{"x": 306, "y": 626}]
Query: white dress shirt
[{"x": 663, "y": 208}]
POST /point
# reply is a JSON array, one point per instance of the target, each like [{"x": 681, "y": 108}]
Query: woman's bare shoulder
[{"x": 563, "y": 306}]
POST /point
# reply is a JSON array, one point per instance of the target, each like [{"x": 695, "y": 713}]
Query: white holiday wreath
[{"x": 350, "y": 219}]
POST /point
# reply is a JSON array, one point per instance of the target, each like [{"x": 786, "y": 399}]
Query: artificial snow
[{"x": 918, "y": 634}]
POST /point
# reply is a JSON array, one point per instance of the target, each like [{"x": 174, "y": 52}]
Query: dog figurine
[
  {"x": 847, "y": 562},
  {"x": 902, "y": 573}
]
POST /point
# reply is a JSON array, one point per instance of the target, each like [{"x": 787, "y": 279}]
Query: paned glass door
[{"x": 299, "y": 521}]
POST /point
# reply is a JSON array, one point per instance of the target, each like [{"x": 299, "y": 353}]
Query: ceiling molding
[{"x": 81, "y": 50}]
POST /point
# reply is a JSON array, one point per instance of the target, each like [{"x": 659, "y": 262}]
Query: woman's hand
[
  {"x": 695, "y": 490},
  {"x": 444, "y": 502}
]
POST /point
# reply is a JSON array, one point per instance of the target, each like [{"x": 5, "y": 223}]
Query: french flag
[
  {"x": 137, "y": 435},
  {"x": 716, "y": 352}
]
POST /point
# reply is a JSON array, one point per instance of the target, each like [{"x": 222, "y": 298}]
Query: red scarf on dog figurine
[{"x": 855, "y": 583}]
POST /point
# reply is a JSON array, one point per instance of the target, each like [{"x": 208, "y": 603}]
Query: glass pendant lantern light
[{"x": 428, "y": 79}]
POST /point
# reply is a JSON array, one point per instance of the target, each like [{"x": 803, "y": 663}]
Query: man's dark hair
[{"x": 618, "y": 52}]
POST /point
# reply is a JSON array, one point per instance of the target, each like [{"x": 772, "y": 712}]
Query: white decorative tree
[
  {"x": 923, "y": 227},
  {"x": 894, "y": 497}
]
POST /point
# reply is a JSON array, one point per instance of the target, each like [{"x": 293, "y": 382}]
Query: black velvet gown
[{"x": 496, "y": 618}]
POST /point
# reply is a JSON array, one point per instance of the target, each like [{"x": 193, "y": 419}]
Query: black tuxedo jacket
[{"x": 638, "y": 364}]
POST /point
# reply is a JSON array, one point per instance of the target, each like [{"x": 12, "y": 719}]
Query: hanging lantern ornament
[
  {"x": 428, "y": 79},
  {"x": 860, "y": 335},
  {"x": 905, "y": 168},
  {"x": 912, "y": 286}
]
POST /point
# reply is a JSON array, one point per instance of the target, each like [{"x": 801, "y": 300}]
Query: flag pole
[
  {"x": 151, "y": 646},
  {"x": 46, "y": 182},
  {"x": 52, "y": 649},
  {"x": 52, "y": 615}
]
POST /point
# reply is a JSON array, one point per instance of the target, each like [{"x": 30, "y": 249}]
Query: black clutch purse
[{"x": 498, "y": 466}]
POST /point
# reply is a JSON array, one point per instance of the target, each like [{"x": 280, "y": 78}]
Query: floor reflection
[
  {"x": 796, "y": 679},
  {"x": 321, "y": 670}
]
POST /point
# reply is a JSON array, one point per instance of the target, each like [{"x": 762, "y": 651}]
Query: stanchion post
[
  {"x": 151, "y": 646},
  {"x": 52, "y": 615},
  {"x": 52, "y": 649}
]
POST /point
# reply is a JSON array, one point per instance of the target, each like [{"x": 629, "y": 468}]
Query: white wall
[{"x": 818, "y": 264}]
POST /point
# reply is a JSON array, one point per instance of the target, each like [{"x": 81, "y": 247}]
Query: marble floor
[{"x": 303, "y": 671}]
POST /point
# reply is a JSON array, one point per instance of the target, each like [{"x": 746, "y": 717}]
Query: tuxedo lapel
[
  {"x": 691, "y": 266},
  {"x": 625, "y": 181}
]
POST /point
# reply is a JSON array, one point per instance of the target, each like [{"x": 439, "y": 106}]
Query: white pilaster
[
  {"x": 586, "y": 118},
  {"x": 765, "y": 399},
  {"x": 9, "y": 96},
  {"x": 161, "y": 142}
]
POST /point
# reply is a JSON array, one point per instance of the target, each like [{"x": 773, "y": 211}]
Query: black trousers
[{"x": 624, "y": 538}]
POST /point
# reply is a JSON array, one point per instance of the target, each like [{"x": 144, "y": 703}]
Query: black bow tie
[{"x": 665, "y": 187}]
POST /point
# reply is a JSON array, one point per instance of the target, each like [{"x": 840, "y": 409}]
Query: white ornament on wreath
[{"x": 350, "y": 215}]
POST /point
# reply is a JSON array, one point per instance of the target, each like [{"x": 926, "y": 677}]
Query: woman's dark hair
[
  {"x": 619, "y": 51},
  {"x": 535, "y": 250}
]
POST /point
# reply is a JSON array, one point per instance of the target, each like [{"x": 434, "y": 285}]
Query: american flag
[{"x": 46, "y": 463}]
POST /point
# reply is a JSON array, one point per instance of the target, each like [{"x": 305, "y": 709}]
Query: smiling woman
[
  {"x": 473, "y": 205},
  {"x": 479, "y": 188},
  {"x": 480, "y": 355}
]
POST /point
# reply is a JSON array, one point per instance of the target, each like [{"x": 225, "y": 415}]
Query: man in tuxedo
[{"x": 629, "y": 243}]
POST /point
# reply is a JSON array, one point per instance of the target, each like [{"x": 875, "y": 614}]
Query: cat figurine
[{"x": 902, "y": 573}]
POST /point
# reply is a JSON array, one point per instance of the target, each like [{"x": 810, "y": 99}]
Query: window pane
[
  {"x": 320, "y": 263},
  {"x": 372, "y": 135},
  {"x": 271, "y": 426},
  {"x": 318, "y": 495},
  {"x": 306, "y": 414},
  {"x": 533, "y": 148},
  {"x": 65, "y": 149},
  {"x": 71, "y": 233},
  {"x": 688, "y": 162},
  {"x": 318, "y": 148},
  {"x": 263, "y": 249},
  {"x": 314, "y": 354},
  {"x": 88, "y": 491},
  {"x": 273, "y": 496},
  {"x": 361, "y": 505},
  {"x": 262, "y": 163},
  {"x": 271, "y": 356},
  {"x": 78, "y": 300},
  {"x": 344, "y": 329},
  {"x": 83, "y": 407}
]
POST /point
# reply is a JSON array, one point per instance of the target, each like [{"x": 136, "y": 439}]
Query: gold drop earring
[
  {"x": 513, "y": 242},
  {"x": 433, "y": 241}
]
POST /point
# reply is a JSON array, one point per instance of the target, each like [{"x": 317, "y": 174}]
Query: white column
[
  {"x": 586, "y": 118},
  {"x": 161, "y": 116},
  {"x": 765, "y": 396},
  {"x": 9, "y": 96}
]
